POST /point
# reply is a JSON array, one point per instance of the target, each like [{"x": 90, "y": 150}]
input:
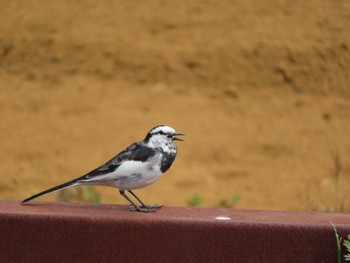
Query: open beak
[{"x": 178, "y": 139}]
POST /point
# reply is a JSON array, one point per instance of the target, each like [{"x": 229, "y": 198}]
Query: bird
[{"x": 137, "y": 166}]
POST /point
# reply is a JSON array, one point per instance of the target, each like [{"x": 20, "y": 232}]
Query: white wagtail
[{"x": 139, "y": 165}]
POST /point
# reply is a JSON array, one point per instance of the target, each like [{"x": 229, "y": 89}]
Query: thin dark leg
[
  {"x": 143, "y": 204},
  {"x": 137, "y": 208}
]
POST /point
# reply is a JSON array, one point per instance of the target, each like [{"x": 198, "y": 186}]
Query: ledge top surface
[{"x": 168, "y": 213}]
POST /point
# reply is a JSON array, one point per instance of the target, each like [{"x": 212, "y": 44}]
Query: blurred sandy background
[{"x": 260, "y": 88}]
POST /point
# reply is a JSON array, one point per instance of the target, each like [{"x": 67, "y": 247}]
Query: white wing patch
[
  {"x": 127, "y": 168},
  {"x": 129, "y": 175}
]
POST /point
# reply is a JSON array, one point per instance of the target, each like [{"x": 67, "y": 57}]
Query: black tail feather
[{"x": 58, "y": 187}]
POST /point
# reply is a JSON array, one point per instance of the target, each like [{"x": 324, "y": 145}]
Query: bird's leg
[
  {"x": 136, "y": 207},
  {"x": 144, "y": 205}
]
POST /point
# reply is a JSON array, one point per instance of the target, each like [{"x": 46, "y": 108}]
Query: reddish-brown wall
[{"x": 71, "y": 232}]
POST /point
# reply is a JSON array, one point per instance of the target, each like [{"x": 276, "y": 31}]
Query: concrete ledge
[{"x": 71, "y": 232}]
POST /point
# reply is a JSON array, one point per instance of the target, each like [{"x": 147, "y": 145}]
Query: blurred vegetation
[
  {"x": 232, "y": 203},
  {"x": 195, "y": 200}
]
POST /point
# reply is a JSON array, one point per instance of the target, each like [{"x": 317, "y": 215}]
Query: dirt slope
[{"x": 261, "y": 90}]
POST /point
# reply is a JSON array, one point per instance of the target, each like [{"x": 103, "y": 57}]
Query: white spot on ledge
[{"x": 222, "y": 218}]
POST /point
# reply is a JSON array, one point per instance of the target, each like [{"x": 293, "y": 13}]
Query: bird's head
[{"x": 162, "y": 133}]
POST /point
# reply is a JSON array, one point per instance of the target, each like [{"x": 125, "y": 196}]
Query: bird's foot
[
  {"x": 152, "y": 206},
  {"x": 145, "y": 208}
]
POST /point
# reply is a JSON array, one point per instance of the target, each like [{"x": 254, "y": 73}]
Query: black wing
[{"x": 136, "y": 152}]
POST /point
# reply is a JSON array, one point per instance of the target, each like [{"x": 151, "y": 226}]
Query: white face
[{"x": 162, "y": 136}]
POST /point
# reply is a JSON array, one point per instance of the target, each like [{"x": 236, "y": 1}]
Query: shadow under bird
[{"x": 139, "y": 165}]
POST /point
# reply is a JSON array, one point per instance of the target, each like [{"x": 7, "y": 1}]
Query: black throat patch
[{"x": 167, "y": 161}]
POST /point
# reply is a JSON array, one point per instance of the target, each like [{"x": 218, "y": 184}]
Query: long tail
[{"x": 53, "y": 189}]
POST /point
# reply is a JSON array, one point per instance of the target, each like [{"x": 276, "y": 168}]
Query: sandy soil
[{"x": 260, "y": 88}]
